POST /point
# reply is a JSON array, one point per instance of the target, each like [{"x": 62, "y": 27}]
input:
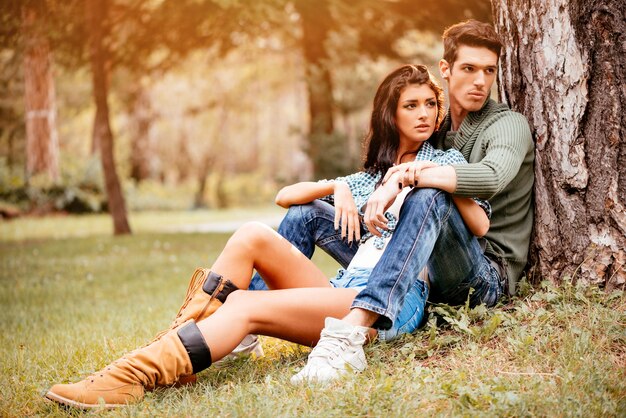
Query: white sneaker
[
  {"x": 339, "y": 350},
  {"x": 249, "y": 346}
]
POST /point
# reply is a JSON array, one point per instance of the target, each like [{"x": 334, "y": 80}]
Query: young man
[{"x": 498, "y": 146}]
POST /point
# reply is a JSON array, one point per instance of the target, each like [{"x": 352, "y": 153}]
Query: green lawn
[{"x": 75, "y": 302}]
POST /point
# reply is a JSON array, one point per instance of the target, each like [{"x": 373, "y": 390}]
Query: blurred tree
[
  {"x": 376, "y": 25},
  {"x": 12, "y": 121},
  {"x": 42, "y": 143},
  {"x": 565, "y": 69},
  {"x": 140, "y": 36},
  {"x": 142, "y": 156},
  {"x": 95, "y": 15},
  {"x": 147, "y": 39},
  {"x": 316, "y": 23}
]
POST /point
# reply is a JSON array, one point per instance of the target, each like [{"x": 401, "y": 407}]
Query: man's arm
[
  {"x": 442, "y": 177},
  {"x": 473, "y": 215},
  {"x": 508, "y": 141}
]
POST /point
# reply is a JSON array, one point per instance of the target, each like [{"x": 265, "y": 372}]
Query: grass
[
  {"x": 72, "y": 304},
  {"x": 63, "y": 226}
]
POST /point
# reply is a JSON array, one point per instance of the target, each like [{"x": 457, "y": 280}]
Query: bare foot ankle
[{"x": 361, "y": 317}]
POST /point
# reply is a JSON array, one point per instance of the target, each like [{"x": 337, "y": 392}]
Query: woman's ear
[{"x": 444, "y": 69}]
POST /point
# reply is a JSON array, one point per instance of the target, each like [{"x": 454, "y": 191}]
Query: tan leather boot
[
  {"x": 206, "y": 292},
  {"x": 178, "y": 353}
]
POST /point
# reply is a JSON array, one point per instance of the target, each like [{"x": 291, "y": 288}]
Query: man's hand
[
  {"x": 409, "y": 172},
  {"x": 346, "y": 213},
  {"x": 379, "y": 202}
]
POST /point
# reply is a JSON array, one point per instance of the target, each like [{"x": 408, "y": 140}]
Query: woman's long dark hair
[{"x": 383, "y": 139}]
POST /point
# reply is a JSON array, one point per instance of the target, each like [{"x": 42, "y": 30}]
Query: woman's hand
[
  {"x": 346, "y": 212},
  {"x": 379, "y": 202},
  {"x": 409, "y": 172}
]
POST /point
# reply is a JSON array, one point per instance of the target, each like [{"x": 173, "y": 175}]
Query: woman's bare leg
[
  {"x": 295, "y": 315},
  {"x": 257, "y": 246}
]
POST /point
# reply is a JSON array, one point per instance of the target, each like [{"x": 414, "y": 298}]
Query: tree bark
[
  {"x": 42, "y": 142},
  {"x": 315, "y": 17},
  {"x": 564, "y": 66},
  {"x": 95, "y": 12}
]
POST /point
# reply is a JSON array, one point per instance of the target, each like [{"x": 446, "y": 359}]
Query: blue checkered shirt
[{"x": 363, "y": 184}]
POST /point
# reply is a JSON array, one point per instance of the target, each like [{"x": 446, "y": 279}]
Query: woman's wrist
[
  {"x": 338, "y": 184},
  {"x": 394, "y": 182}
]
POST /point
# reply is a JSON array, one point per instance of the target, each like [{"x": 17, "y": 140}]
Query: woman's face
[{"x": 416, "y": 114}]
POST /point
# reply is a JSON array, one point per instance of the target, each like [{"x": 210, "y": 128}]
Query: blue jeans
[
  {"x": 306, "y": 226},
  {"x": 430, "y": 233},
  {"x": 411, "y": 314}
]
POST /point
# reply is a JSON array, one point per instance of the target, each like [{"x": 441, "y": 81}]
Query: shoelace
[
  {"x": 190, "y": 291},
  {"x": 195, "y": 282},
  {"x": 331, "y": 345}
]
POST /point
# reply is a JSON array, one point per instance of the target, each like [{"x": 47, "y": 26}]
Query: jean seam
[
  {"x": 368, "y": 307},
  {"x": 412, "y": 251}
]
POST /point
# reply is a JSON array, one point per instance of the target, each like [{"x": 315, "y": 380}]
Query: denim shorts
[{"x": 412, "y": 312}]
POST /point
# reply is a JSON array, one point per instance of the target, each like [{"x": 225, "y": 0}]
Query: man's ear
[{"x": 444, "y": 69}]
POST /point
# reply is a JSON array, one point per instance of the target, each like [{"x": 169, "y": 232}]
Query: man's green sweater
[{"x": 498, "y": 145}]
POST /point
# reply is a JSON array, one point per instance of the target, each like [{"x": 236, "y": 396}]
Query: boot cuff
[
  {"x": 197, "y": 349},
  {"x": 212, "y": 284}
]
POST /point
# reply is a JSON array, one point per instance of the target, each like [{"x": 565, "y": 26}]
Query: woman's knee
[
  {"x": 237, "y": 304},
  {"x": 252, "y": 235}
]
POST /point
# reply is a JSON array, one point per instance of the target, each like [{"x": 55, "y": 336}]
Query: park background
[{"x": 168, "y": 123}]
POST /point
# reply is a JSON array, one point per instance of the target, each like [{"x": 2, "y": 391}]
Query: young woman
[{"x": 217, "y": 315}]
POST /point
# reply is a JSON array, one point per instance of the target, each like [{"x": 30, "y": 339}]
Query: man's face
[{"x": 471, "y": 77}]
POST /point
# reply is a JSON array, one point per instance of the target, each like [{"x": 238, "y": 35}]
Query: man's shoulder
[
  {"x": 495, "y": 111},
  {"x": 496, "y": 117}
]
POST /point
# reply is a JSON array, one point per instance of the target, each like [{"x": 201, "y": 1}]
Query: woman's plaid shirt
[{"x": 363, "y": 184}]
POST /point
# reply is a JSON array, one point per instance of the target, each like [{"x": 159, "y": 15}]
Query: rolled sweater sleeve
[{"x": 504, "y": 144}]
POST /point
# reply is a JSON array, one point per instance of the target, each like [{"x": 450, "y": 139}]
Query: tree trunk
[
  {"x": 42, "y": 143},
  {"x": 141, "y": 147},
  {"x": 95, "y": 12},
  {"x": 315, "y": 17},
  {"x": 564, "y": 67}
]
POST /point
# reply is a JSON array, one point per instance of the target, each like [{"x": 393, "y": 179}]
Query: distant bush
[{"x": 81, "y": 190}]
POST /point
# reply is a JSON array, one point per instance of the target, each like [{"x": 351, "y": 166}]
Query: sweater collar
[{"x": 468, "y": 126}]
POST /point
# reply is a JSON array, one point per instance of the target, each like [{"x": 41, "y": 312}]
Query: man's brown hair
[{"x": 469, "y": 33}]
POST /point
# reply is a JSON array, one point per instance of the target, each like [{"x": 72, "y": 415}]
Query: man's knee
[{"x": 423, "y": 199}]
